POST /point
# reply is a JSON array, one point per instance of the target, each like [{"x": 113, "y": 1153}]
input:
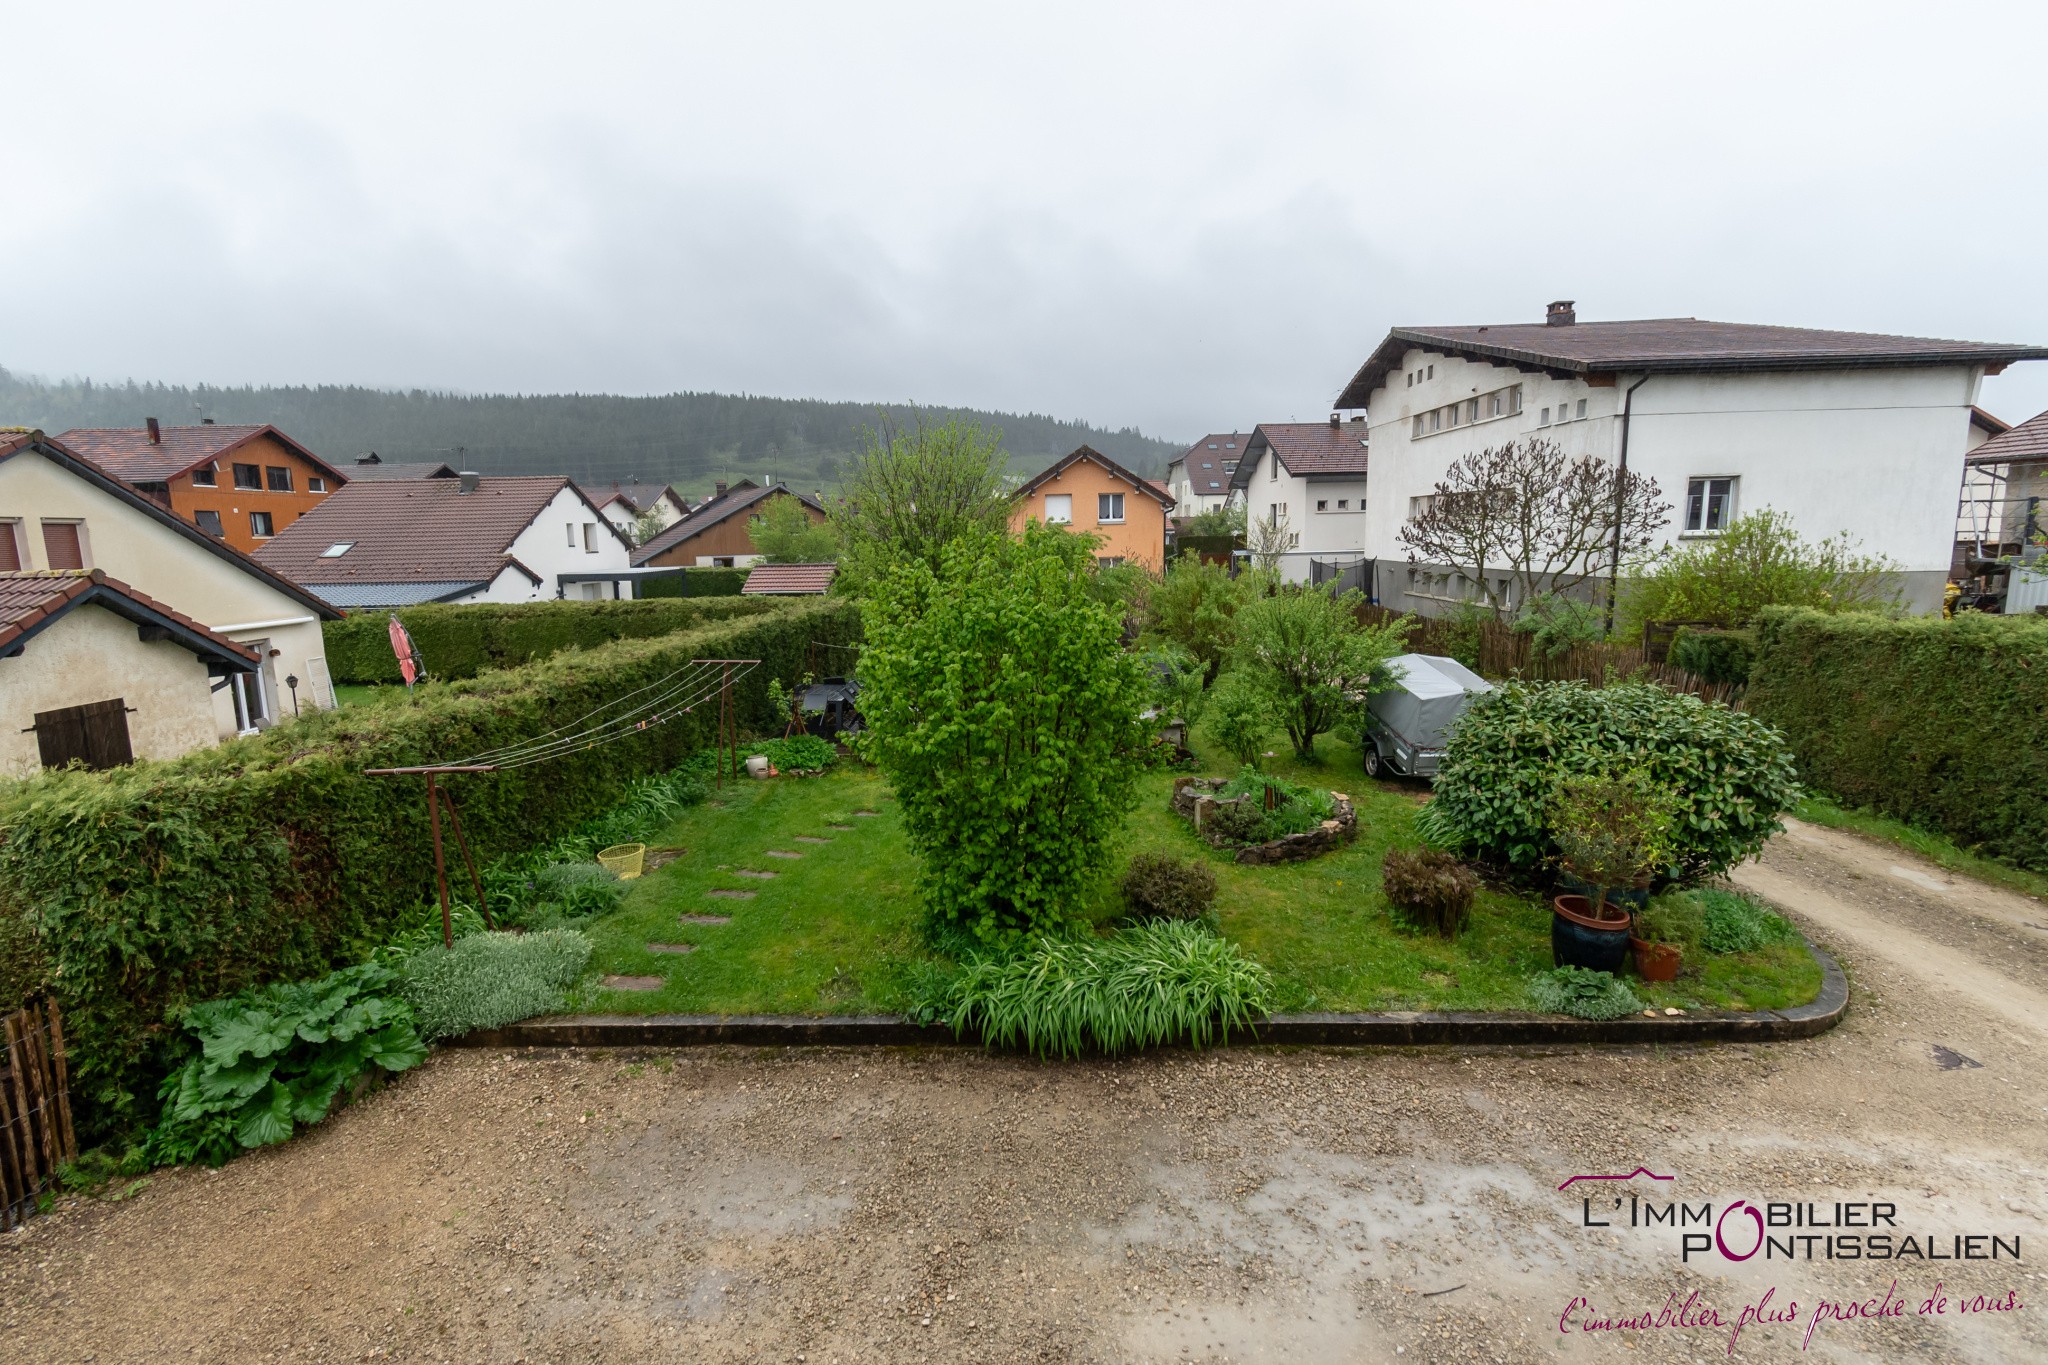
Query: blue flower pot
[{"x": 1579, "y": 939}]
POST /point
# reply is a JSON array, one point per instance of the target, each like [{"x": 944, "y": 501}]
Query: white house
[
  {"x": 623, "y": 504},
  {"x": 1842, "y": 431},
  {"x": 1307, "y": 480},
  {"x": 392, "y": 543},
  {"x": 1199, "y": 478}
]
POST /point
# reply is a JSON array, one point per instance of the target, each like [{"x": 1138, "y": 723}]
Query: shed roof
[
  {"x": 713, "y": 512},
  {"x": 788, "y": 579},
  {"x": 31, "y": 602},
  {"x": 2027, "y": 441}
]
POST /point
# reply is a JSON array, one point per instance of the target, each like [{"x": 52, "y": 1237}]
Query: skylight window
[{"x": 337, "y": 549}]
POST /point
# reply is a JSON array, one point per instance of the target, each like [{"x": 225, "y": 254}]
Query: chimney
[
  {"x": 1336, "y": 420},
  {"x": 1560, "y": 314},
  {"x": 466, "y": 481},
  {"x": 206, "y": 421},
  {"x": 156, "y": 431},
  {"x": 717, "y": 491}
]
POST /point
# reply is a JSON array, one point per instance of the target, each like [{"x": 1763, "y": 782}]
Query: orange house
[
  {"x": 1087, "y": 491},
  {"x": 243, "y": 484}
]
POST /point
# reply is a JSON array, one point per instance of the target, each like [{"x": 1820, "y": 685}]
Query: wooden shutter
[
  {"x": 96, "y": 734},
  {"x": 60, "y": 545},
  {"x": 10, "y": 549}
]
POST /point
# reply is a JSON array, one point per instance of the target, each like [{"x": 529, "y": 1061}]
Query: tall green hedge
[
  {"x": 1939, "y": 723},
  {"x": 153, "y": 886},
  {"x": 698, "y": 582},
  {"x": 463, "y": 641}
]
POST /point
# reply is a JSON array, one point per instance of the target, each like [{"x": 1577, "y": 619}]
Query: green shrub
[
  {"x": 698, "y": 582},
  {"x": 488, "y": 980},
  {"x": 577, "y": 890},
  {"x": 797, "y": 754},
  {"x": 1759, "y": 561},
  {"x": 1428, "y": 889},
  {"x": 1238, "y": 717},
  {"x": 1713, "y": 656},
  {"x": 1612, "y": 830},
  {"x": 1729, "y": 774},
  {"x": 1676, "y": 918},
  {"x": 1293, "y": 809},
  {"x": 153, "y": 886},
  {"x": 1195, "y": 607},
  {"x": 1582, "y": 994},
  {"x": 1004, "y": 713},
  {"x": 1161, "y": 886},
  {"x": 1936, "y": 723},
  {"x": 1162, "y": 982},
  {"x": 277, "y": 1057},
  {"x": 463, "y": 641},
  {"x": 1305, "y": 651},
  {"x": 1556, "y": 625},
  {"x": 1733, "y": 923}
]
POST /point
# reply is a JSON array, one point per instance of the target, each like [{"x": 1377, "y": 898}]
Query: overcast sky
[{"x": 1185, "y": 217}]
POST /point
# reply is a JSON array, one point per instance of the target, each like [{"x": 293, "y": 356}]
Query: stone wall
[{"x": 1195, "y": 797}]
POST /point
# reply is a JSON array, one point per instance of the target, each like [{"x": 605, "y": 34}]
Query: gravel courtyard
[{"x": 818, "y": 1206}]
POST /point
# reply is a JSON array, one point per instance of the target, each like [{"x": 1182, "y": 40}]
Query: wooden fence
[
  {"x": 35, "y": 1109},
  {"x": 1507, "y": 653}
]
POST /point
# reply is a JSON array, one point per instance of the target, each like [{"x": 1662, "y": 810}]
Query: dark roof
[
  {"x": 1985, "y": 421},
  {"x": 638, "y": 496},
  {"x": 1096, "y": 457},
  {"x": 783, "y": 579},
  {"x": 14, "y": 442},
  {"x": 29, "y": 602},
  {"x": 1312, "y": 450},
  {"x": 1659, "y": 345},
  {"x": 416, "y": 531},
  {"x": 1228, "y": 446},
  {"x": 127, "y": 452},
  {"x": 713, "y": 511},
  {"x": 424, "y": 470},
  {"x": 2027, "y": 441}
]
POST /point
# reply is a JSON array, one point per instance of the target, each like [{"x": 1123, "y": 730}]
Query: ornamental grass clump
[
  {"x": 1582, "y": 994},
  {"x": 487, "y": 980},
  {"x": 1162, "y": 982},
  {"x": 1161, "y": 886},
  {"x": 1733, "y": 923},
  {"x": 1428, "y": 889}
]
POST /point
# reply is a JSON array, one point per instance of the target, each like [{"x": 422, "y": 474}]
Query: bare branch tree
[
  {"x": 1549, "y": 519},
  {"x": 1268, "y": 538}
]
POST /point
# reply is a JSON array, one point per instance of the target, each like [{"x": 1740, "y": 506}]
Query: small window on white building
[
  {"x": 590, "y": 537},
  {"x": 1581, "y": 409},
  {"x": 1544, "y": 419},
  {"x": 1109, "y": 507},
  {"x": 1515, "y": 398},
  {"x": 570, "y": 526},
  {"x": 1059, "y": 509},
  {"x": 1709, "y": 505},
  {"x": 1417, "y": 506},
  {"x": 1436, "y": 419},
  {"x": 1432, "y": 372},
  {"x": 1472, "y": 409},
  {"x": 1418, "y": 424},
  {"x": 1322, "y": 504},
  {"x": 1343, "y": 504}
]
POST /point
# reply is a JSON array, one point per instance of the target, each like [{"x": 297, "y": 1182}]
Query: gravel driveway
[{"x": 822, "y": 1205}]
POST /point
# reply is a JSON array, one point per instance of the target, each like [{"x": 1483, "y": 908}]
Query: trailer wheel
[{"x": 1375, "y": 766}]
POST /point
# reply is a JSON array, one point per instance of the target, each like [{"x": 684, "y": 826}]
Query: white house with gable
[
  {"x": 1841, "y": 431},
  {"x": 1199, "y": 478},
  {"x": 1307, "y": 481}
]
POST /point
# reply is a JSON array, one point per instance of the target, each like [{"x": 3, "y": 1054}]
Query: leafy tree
[
  {"x": 785, "y": 534},
  {"x": 1239, "y": 717},
  {"x": 646, "y": 526},
  {"x": 1194, "y": 607},
  {"x": 1006, "y": 716},
  {"x": 1558, "y": 625},
  {"x": 910, "y": 493},
  {"x": 1760, "y": 561},
  {"x": 1177, "y": 680},
  {"x": 1547, "y": 518},
  {"x": 1269, "y": 538},
  {"x": 1305, "y": 650},
  {"x": 1227, "y": 520}
]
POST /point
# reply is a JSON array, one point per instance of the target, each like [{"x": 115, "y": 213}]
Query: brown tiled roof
[
  {"x": 127, "y": 453},
  {"x": 638, "y": 496},
  {"x": 30, "y": 601},
  {"x": 713, "y": 511},
  {"x": 413, "y": 530},
  {"x": 2027, "y": 441},
  {"x": 1669, "y": 344},
  {"x": 1229, "y": 449},
  {"x": 425, "y": 469},
  {"x": 1096, "y": 457},
  {"x": 779, "y": 579},
  {"x": 1308, "y": 449},
  {"x": 1985, "y": 421}
]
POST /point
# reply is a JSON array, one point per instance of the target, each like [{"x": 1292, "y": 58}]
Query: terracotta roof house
[
  {"x": 106, "y": 673},
  {"x": 372, "y": 466},
  {"x": 241, "y": 483},
  {"x": 715, "y": 534},
  {"x": 1855, "y": 433},
  {"x": 1088, "y": 491},
  {"x": 1199, "y": 477},
  {"x": 789, "y": 580},
  {"x": 1307, "y": 480},
  {"x": 625, "y": 503},
  {"x": 397, "y": 542},
  {"x": 62, "y": 512}
]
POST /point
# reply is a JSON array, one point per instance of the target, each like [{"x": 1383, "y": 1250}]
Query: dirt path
[{"x": 819, "y": 1205}]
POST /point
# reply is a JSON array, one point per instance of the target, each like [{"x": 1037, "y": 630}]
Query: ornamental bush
[
  {"x": 1428, "y": 889},
  {"x": 1582, "y": 994},
  {"x": 1161, "y": 886},
  {"x": 1714, "y": 656},
  {"x": 1001, "y": 708},
  {"x": 1305, "y": 650},
  {"x": 1729, "y": 774},
  {"x": 488, "y": 980}
]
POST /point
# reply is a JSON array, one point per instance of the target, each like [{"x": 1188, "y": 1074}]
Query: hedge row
[
  {"x": 463, "y": 641},
  {"x": 157, "y": 885},
  {"x": 1938, "y": 723},
  {"x": 698, "y": 582}
]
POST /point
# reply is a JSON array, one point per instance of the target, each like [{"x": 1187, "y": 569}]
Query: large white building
[
  {"x": 1841, "y": 431},
  {"x": 1306, "y": 480}
]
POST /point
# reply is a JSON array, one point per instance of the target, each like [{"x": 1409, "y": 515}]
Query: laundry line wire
[{"x": 682, "y": 692}]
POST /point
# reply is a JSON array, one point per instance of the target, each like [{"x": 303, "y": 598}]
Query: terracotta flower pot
[
  {"x": 1655, "y": 961},
  {"x": 1582, "y": 937}
]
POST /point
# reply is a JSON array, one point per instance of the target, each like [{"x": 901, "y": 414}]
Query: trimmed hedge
[
  {"x": 463, "y": 641},
  {"x": 1938, "y": 723},
  {"x": 155, "y": 886},
  {"x": 1714, "y": 656},
  {"x": 698, "y": 582}
]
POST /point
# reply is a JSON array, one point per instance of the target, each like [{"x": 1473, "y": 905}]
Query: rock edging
[{"x": 1193, "y": 801}]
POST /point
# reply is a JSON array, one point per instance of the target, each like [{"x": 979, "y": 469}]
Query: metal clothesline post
[{"x": 431, "y": 771}]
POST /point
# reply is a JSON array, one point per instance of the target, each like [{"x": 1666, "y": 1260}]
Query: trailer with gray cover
[{"x": 1408, "y": 725}]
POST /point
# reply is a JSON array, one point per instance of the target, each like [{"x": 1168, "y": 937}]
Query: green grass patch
[{"x": 1938, "y": 849}]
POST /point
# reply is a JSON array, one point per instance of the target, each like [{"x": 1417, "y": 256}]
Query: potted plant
[
  {"x": 1611, "y": 830},
  {"x": 1663, "y": 933}
]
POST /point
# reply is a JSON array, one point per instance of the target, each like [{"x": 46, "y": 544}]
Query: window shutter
[
  {"x": 96, "y": 734},
  {"x": 10, "y": 549},
  {"x": 61, "y": 546}
]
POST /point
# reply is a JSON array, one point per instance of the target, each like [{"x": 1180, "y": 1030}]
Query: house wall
[
  {"x": 1331, "y": 534},
  {"x": 89, "y": 654},
  {"x": 1875, "y": 453},
  {"x": 235, "y": 504},
  {"x": 149, "y": 556},
  {"x": 544, "y": 547},
  {"x": 1139, "y": 539},
  {"x": 729, "y": 539}
]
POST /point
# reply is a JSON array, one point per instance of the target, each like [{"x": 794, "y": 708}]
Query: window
[
  {"x": 208, "y": 522},
  {"x": 1709, "y": 505},
  {"x": 206, "y": 476},
  {"x": 1418, "y": 424},
  {"x": 259, "y": 525},
  {"x": 1432, "y": 372},
  {"x": 1436, "y": 419},
  {"x": 63, "y": 545},
  {"x": 1273, "y": 470},
  {"x": 10, "y": 547},
  {"x": 590, "y": 537},
  {"x": 1515, "y": 398},
  {"x": 1417, "y": 506},
  {"x": 570, "y": 527},
  {"x": 1207, "y": 465},
  {"x": 1544, "y": 420},
  {"x": 251, "y": 691},
  {"x": 1212, "y": 446},
  {"x": 315, "y": 484},
  {"x": 1472, "y": 409},
  {"x": 1109, "y": 507},
  {"x": 1343, "y": 504},
  {"x": 337, "y": 549},
  {"x": 278, "y": 477},
  {"x": 248, "y": 476},
  {"x": 1059, "y": 509},
  {"x": 1322, "y": 504},
  {"x": 1411, "y": 380},
  {"x": 721, "y": 562},
  {"x": 1581, "y": 411},
  {"x": 1108, "y": 561}
]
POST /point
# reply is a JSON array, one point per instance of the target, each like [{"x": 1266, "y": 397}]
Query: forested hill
[{"x": 690, "y": 439}]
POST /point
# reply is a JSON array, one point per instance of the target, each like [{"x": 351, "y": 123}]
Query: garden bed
[{"x": 1200, "y": 801}]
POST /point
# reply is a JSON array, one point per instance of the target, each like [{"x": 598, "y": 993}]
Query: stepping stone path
[
  {"x": 723, "y": 894},
  {"x": 866, "y": 814},
  {"x": 757, "y": 876},
  {"x": 671, "y": 947},
  {"x": 839, "y": 827},
  {"x": 705, "y": 919},
  {"x": 634, "y": 983},
  {"x": 811, "y": 839},
  {"x": 783, "y": 853},
  {"x": 661, "y": 857}
]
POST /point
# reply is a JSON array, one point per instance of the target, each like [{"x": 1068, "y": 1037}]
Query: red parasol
[{"x": 410, "y": 665}]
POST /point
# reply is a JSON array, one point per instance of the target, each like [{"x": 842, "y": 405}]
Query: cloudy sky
[{"x": 1184, "y": 217}]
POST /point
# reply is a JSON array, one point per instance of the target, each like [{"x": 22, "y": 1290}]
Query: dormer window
[
  {"x": 206, "y": 476},
  {"x": 337, "y": 549}
]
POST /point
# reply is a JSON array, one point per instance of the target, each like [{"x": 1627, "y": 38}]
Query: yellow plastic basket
[{"x": 624, "y": 860}]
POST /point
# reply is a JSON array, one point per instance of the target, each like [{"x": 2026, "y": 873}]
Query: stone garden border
[{"x": 1192, "y": 802}]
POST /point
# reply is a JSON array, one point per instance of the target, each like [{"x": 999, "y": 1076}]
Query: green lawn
[{"x": 835, "y": 930}]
